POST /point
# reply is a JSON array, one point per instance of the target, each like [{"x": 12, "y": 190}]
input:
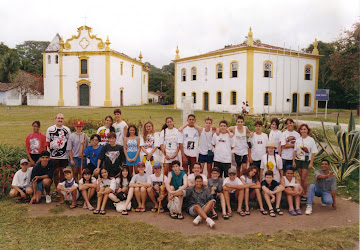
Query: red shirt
[{"x": 35, "y": 143}]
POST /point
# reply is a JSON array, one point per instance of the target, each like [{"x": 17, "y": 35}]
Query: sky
[{"x": 156, "y": 27}]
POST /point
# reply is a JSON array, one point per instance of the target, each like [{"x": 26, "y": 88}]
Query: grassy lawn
[
  {"x": 20, "y": 231},
  {"x": 344, "y": 115}
]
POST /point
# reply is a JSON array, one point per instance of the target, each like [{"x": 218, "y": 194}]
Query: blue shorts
[
  {"x": 77, "y": 161},
  {"x": 191, "y": 211},
  {"x": 205, "y": 158},
  {"x": 39, "y": 186}
]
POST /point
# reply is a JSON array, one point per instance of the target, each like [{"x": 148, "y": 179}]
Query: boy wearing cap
[
  {"x": 233, "y": 188},
  {"x": 157, "y": 190},
  {"x": 21, "y": 183},
  {"x": 41, "y": 177},
  {"x": 68, "y": 188},
  {"x": 76, "y": 141}
]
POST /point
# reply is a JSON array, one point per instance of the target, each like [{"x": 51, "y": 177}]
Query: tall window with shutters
[
  {"x": 193, "y": 73},
  {"x": 233, "y": 98},
  {"x": 219, "y": 71},
  {"x": 308, "y": 72},
  {"x": 268, "y": 69},
  {"x": 234, "y": 69},
  {"x": 218, "y": 97},
  {"x": 194, "y": 95},
  {"x": 183, "y": 75}
]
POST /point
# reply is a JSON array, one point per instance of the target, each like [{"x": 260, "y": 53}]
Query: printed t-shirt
[
  {"x": 288, "y": 137},
  {"x": 205, "y": 143},
  {"x": 171, "y": 140},
  {"x": 222, "y": 151},
  {"x": 270, "y": 186},
  {"x": 93, "y": 154},
  {"x": 58, "y": 138},
  {"x": 258, "y": 144},
  {"x": 216, "y": 184},
  {"x": 35, "y": 143},
  {"x": 304, "y": 148},
  {"x": 275, "y": 136},
  {"x": 274, "y": 166},
  {"x": 103, "y": 132},
  {"x": 119, "y": 130},
  {"x": 240, "y": 142},
  {"x": 190, "y": 141},
  {"x": 236, "y": 181},
  {"x": 22, "y": 179}
]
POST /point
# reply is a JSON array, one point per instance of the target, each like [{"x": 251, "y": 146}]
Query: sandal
[
  {"x": 247, "y": 212},
  {"x": 303, "y": 198},
  {"x": 214, "y": 216},
  {"x": 142, "y": 210},
  {"x": 242, "y": 213},
  {"x": 85, "y": 206},
  {"x": 173, "y": 215},
  {"x": 102, "y": 212},
  {"x": 278, "y": 211},
  {"x": 96, "y": 211},
  {"x": 137, "y": 209},
  {"x": 60, "y": 203},
  {"x": 225, "y": 216},
  {"x": 272, "y": 213},
  {"x": 229, "y": 214},
  {"x": 292, "y": 212},
  {"x": 180, "y": 216},
  {"x": 73, "y": 206},
  {"x": 298, "y": 211},
  {"x": 124, "y": 212},
  {"x": 162, "y": 210},
  {"x": 154, "y": 209},
  {"x": 263, "y": 212},
  {"x": 91, "y": 208}
]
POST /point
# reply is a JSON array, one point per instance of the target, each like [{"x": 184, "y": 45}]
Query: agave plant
[{"x": 343, "y": 158}]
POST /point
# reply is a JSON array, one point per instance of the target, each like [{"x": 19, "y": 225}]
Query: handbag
[
  {"x": 174, "y": 205},
  {"x": 120, "y": 206}
]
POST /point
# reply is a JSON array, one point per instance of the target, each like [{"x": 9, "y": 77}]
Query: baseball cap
[
  {"x": 67, "y": 169},
  {"x": 22, "y": 161},
  {"x": 157, "y": 164},
  {"x": 141, "y": 164},
  {"x": 79, "y": 124},
  {"x": 232, "y": 171},
  {"x": 215, "y": 169}
]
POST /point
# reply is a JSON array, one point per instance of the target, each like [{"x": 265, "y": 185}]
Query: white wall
[
  {"x": 2, "y": 98},
  {"x": 13, "y": 98}
]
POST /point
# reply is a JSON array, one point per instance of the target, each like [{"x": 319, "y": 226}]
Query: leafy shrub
[
  {"x": 88, "y": 124},
  {"x": 11, "y": 155},
  {"x": 6, "y": 175}
]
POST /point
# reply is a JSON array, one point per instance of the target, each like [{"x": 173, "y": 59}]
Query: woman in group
[
  {"x": 250, "y": 179},
  {"x": 293, "y": 190},
  {"x": 148, "y": 143},
  {"x": 169, "y": 143},
  {"x": 132, "y": 148},
  {"x": 35, "y": 143},
  {"x": 304, "y": 153},
  {"x": 271, "y": 161},
  {"x": 104, "y": 131}
]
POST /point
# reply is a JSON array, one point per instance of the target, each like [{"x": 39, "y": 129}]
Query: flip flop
[
  {"x": 214, "y": 216},
  {"x": 96, "y": 211},
  {"x": 180, "y": 216},
  {"x": 298, "y": 211},
  {"x": 278, "y": 211},
  {"x": 154, "y": 209},
  {"x": 292, "y": 212},
  {"x": 85, "y": 206},
  {"x": 173, "y": 215},
  {"x": 162, "y": 210},
  {"x": 124, "y": 212},
  {"x": 225, "y": 216},
  {"x": 73, "y": 206},
  {"x": 247, "y": 212},
  {"x": 91, "y": 208},
  {"x": 272, "y": 213},
  {"x": 60, "y": 203},
  {"x": 263, "y": 212},
  {"x": 137, "y": 209},
  {"x": 102, "y": 212},
  {"x": 229, "y": 214},
  {"x": 241, "y": 213},
  {"x": 142, "y": 210}
]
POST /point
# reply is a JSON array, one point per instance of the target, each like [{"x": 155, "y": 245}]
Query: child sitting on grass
[
  {"x": 293, "y": 190},
  {"x": 21, "y": 183},
  {"x": 105, "y": 186},
  {"x": 272, "y": 192},
  {"x": 87, "y": 187},
  {"x": 67, "y": 189},
  {"x": 215, "y": 184}
]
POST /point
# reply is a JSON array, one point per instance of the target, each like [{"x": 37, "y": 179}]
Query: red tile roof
[{"x": 5, "y": 86}]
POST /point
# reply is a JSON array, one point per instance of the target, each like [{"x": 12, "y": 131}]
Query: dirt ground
[{"x": 322, "y": 217}]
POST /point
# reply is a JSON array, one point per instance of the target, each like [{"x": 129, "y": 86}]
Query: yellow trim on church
[
  {"x": 250, "y": 78},
  {"x": 175, "y": 66},
  {"x": 316, "y": 82},
  {"x": 107, "y": 102},
  {"x": 83, "y": 81},
  {"x": 87, "y": 66},
  {"x": 44, "y": 65},
  {"x": 61, "y": 91},
  {"x": 100, "y": 45}
]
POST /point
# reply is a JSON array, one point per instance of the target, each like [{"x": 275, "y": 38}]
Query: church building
[
  {"x": 271, "y": 79},
  {"x": 83, "y": 71}
]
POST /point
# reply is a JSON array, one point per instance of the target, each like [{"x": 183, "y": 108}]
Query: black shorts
[
  {"x": 257, "y": 164},
  {"x": 240, "y": 159},
  {"x": 286, "y": 163},
  {"x": 205, "y": 158},
  {"x": 61, "y": 163},
  {"x": 223, "y": 168}
]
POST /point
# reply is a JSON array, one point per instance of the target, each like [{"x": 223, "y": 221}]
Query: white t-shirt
[
  {"x": 240, "y": 143},
  {"x": 258, "y": 144},
  {"x": 276, "y": 166},
  {"x": 151, "y": 142},
  {"x": 286, "y": 138},
  {"x": 153, "y": 180},
  {"x": 68, "y": 184},
  {"x": 103, "y": 132},
  {"x": 192, "y": 177},
  {"x": 190, "y": 141},
  {"x": 247, "y": 179},
  {"x": 125, "y": 183},
  {"x": 110, "y": 183},
  {"x": 92, "y": 180},
  {"x": 139, "y": 178},
  {"x": 22, "y": 179},
  {"x": 205, "y": 142},
  {"x": 237, "y": 181},
  {"x": 304, "y": 148},
  {"x": 275, "y": 136},
  {"x": 119, "y": 130},
  {"x": 223, "y": 144},
  {"x": 58, "y": 137},
  {"x": 171, "y": 140}
]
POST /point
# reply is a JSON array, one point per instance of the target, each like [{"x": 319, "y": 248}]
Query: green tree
[
  {"x": 31, "y": 59},
  {"x": 9, "y": 63},
  {"x": 162, "y": 80}
]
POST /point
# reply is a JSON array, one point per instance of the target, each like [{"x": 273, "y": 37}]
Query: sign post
[
  {"x": 187, "y": 107},
  {"x": 322, "y": 95}
]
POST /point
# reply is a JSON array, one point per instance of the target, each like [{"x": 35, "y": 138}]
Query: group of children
[{"x": 117, "y": 164}]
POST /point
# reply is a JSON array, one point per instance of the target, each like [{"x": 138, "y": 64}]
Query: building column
[
  {"x": 175, "y": 65},
  {"x": 250, "y": 78},
  {"x": 61, "y": 87},
  {"x": 107, "y": 102},
  {"x": 316, "y": 83}
]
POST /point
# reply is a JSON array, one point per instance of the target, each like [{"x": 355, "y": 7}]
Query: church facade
[
  {"x": 271, "y": 79},
  {"x": 84, "y": 71}
]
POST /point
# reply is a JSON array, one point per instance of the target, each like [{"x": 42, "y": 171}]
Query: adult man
[
  {"x": 189, "y": 144},
  {"x": 325, "y": 187},
  {"x": 57, "y": 137},
  {"x": 41, "y": 177},
  {"x": 200, "y": 201}
]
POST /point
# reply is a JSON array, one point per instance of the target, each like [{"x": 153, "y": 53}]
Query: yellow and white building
[
  {"x": 272, "y": 79},
  {"x": 83, "y": 71}
]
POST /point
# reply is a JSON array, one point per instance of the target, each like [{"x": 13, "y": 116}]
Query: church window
[
  {"x": 234, "y": 69},
  {"x": 268, "y": 69},
  {"x": 121, "y": 68},
  {"x": 194, "y": 95},
  {"x": 132, "y": 70},
  {"x": 233, "y": 97},
  {"x": 49, "y": 59},
  {"x": 193, "y": 73},
  {"x": 218, "y": 97},
  {"x": 307, "y": 100},
  {"x": 183, "y": 75},
  {"x": 183, "y": 94},
  {"x": 84, "y": 69},
  {"x": 308, "y": 72},
  {"x": 219, "y": 70},
  {"x": 56, "y": 59},
  {"x": 267, "y": 99}
]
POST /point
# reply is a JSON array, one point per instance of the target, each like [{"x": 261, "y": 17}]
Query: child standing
[
  {"x": 149, "y": 143},
  {"x": 73, "y": 148},
  {"x": 258, "y": 143},
  {"x": 270, "y": 188},
  {"x": 223, "y": 144},
  {"x": 87, "y": 187},
  {"x": 288, "y": 139},
  {"x": 67, "y": 189},
  {"x": 271, "y": 161},
  {"x": 206, "y": 154},
  {"x": 275, "y": 135},
  {"x": 105, "y": 130},
  {"x": 35, "y": 143},
  {"x": 120, "y": 127},
  {"x": 132, "y": 148}
]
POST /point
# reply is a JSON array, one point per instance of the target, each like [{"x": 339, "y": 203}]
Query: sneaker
[
  {"x": 48, "y": 199},
  {"x": 322, "y": 204},
  {"x": 308, "y": 210},
  {"x": 197, "y": 220},
  {"x": 210, "y": 222}
]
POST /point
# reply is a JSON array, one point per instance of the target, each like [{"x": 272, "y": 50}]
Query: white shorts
[{"x": 70, "y": 195}]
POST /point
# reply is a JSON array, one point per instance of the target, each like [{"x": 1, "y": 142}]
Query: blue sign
[{"x": 322, "y": 95}]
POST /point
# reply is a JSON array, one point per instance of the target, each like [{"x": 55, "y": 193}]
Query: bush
[
  {"x": 6, "y": 175},
  {"x": 11, "y": 155},
  {"x": 88, "y": 124}
]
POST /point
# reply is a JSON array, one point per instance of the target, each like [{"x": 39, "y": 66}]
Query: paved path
[{"x": 314, "y": 124}]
